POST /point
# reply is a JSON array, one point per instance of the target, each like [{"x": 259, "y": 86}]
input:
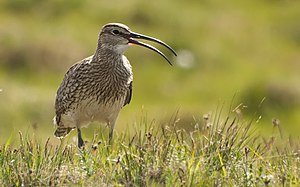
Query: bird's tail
[{"x": 61, "y": 132}]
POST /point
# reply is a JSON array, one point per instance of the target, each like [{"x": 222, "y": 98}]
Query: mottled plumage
[{"x": 96, "y": 88}]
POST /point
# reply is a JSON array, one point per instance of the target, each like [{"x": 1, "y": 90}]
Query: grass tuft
[{"x": 218, "y": 151}]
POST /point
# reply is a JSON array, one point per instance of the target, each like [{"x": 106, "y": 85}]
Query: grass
[
  {"x": 219, "y": 150},
  {"x": 248, "y": 48}
]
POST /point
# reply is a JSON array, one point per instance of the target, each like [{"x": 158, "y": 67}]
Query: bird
[{"x": 98, "y": 87}]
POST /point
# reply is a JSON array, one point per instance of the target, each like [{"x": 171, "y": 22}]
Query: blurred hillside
[{"x": 248, "y": 49}]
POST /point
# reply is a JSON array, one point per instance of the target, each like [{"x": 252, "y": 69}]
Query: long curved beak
[{"x": 133, "y": 35}]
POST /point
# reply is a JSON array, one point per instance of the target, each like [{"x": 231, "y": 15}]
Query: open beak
[{"x": 133, "y": 35}]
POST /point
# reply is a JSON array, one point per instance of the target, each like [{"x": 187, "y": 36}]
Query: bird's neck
[{"x": 107, "y": 55}]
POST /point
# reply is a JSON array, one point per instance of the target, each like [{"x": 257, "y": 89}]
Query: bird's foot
[
  {"x": 80, "y": 144},
  {"x": 80, "y": 140}
]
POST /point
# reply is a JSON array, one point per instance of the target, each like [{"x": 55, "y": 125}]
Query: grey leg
[
  {"x": 80, "y": 140},
  {"x": 111, "y": 125},
  {"x": 111, "y": 131}
]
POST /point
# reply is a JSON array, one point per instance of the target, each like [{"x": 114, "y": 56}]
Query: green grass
[
  {"x": 249, "y": 48},
  {"x": 245, "y": 48},
  {"x": 218, "y": 150}
]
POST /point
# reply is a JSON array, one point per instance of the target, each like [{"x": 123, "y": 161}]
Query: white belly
[{"x": 90, "y": 110}]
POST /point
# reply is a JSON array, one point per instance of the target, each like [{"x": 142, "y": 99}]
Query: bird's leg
[
  {"x": 80, "y": 140},
  {"x": 111, "y": 125},
  {"x": 111, "y": 131}
]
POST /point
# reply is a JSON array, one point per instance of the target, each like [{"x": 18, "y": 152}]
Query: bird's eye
[{"x": 116, "y": 32}]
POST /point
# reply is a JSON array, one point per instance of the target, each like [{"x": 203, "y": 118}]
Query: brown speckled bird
[{"x": 96, "y": 88}]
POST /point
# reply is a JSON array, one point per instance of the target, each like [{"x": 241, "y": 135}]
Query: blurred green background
[{"x": 249, "y": 50}]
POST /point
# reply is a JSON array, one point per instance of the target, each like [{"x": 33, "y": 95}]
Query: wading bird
[{"x": 96, "y": 88}]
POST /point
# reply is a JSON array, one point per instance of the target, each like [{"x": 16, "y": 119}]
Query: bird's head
[{"x": 118, "y": 37}]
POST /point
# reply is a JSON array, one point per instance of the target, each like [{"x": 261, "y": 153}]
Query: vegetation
[
  {"x": 249, "y": 49},
  {"x": 215, "y": 152}
]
